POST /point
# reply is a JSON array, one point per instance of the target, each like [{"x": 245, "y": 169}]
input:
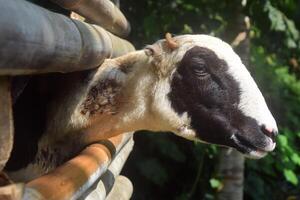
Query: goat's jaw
[{"x": 187, "y": 133}]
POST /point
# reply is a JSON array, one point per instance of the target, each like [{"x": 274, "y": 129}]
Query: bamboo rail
[
  {"x": 101, "y": 188},
  {"x": 100, "y": 12},
  {"x": 122, "y": 189},
  {"x": 75, "y": 177},
  {"x": 35, "y": 40},
  {"x": 12, "y": 191}
]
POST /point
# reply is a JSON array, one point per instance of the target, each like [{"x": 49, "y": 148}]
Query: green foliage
[
  {"x": 282, "y": 91},
  {"x": 290, "y": 176},
  {"x": 215, "y": 183},
  {"x": 280, "y": 22},
  {"x": 179, "y": 169},
  {"x": 175, "y": 167}
]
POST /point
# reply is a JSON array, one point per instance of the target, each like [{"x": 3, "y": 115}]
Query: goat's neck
[
  {"x": 115, "y": 99},
  {"x": 130, "y": 107}
]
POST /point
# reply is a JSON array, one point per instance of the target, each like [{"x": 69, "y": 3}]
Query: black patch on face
[{"x": 202, "y": 87}]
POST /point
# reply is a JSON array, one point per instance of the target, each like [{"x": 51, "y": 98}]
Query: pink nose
[{"x": 269, "y": 131}]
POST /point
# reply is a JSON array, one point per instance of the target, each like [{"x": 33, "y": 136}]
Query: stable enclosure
[{"x": 41, "y": 48}]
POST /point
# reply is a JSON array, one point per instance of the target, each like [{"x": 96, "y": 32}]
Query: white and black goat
[{"x": 192, "y": 85}]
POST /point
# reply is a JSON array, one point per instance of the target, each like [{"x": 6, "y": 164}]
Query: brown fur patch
[{"x": 101, "y": 98}]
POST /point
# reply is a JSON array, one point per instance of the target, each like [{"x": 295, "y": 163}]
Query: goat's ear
[
  {"x": 127, "y": 61},
  {"x": 171, "y": 43}
]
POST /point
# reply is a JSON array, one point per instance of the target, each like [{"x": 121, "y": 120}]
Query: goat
[{"x": 192, "y": 85}]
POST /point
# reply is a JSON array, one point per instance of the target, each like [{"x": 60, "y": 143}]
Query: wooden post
[{"x": 231, "y": 172}]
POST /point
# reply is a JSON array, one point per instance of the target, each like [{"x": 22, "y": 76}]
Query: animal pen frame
[
  {"x": 35, "y": 41},
  {"x": 72, "y": 125}
]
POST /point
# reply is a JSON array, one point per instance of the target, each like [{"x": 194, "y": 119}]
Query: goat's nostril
[{"x": 270, "y": 132}]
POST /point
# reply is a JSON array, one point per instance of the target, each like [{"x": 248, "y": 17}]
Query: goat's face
[{"x": 213, "y": 95}]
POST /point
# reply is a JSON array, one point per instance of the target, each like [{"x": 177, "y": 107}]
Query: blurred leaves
[
  {"x": 215, "y": 184},
  {"x": 280, "y": 22},
  {"x": 290, "y": 176},
  {"x": 276, "y": 17},
  {"x": 281, "y": 88}
]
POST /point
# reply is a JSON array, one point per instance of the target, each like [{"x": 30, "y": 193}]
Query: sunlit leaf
[
  {"x": 215, "y": 183},
  {"x": 295, "y": 158},
  {"x": 276, "y": 17},
  {"x": 290, "y": 176},
  {"x": 282, "y": 139}
]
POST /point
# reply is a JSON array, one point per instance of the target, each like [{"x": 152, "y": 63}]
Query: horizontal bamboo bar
[
  {"x": 122, "y": 189},
  {"x": 12, "y": 192},
  {"x": 102, "y": 187},
  {"x": 35, "y": 40},
  {"x": 100, "y": 12},
  {"x": 74, "y": 177}
]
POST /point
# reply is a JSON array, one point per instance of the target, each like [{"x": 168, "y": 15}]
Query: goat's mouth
[{"x": 250, "y": 150}]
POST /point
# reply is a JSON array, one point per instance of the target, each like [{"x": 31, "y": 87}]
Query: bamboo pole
[
  {"x": 35, "y": 40},
  {"x": 6, "y": 121},
  {"x": 122, "y": 189},
  {"x": 12, "y": 192},
  {"x": 100, "y": 12},
  {"x": 104, "y": 185},
  {"x": 73, "y": 178}
]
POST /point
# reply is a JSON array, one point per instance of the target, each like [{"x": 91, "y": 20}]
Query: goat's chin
[
  {"x": 248, "y": 151},
  {"x": 257, "y": 154},
  {"x": 251, "y": 151},
  {"x": 253, "y": 154}
]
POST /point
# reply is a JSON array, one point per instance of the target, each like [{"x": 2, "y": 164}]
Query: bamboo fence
[{"x": 35, "y": 40}]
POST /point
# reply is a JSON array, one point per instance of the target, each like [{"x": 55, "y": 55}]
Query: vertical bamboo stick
[{"x": 6, "y": 121}]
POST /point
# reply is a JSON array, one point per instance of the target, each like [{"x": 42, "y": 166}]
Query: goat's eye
[{"x": 199, "y": 67}]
